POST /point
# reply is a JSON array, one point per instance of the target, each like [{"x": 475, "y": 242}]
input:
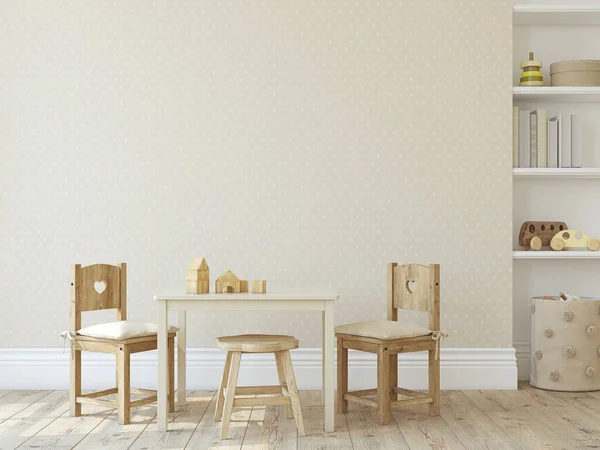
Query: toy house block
[
  {"x": 259, "y": 286},
  {"x": 229, "y": 283},
  {"x": 197, "y": 278}
]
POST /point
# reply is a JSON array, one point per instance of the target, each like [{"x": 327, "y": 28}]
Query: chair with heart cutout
[
  {"x": 414, "y": 287},
  {"x": 99, "y": 287}
]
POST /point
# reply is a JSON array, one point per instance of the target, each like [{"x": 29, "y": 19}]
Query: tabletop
[{"x": 291, "y": 294}]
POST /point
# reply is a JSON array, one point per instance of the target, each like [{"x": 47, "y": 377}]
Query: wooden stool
[{"x": 258, "y": 343}]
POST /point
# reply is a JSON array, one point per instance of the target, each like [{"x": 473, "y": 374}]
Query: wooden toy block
[
  {"x": 230, "y": 283},
  {"x": 574, "y": 239},
  {"x": 259, "y": 286},
  {"x": 197, "y": 278},
  {"x": 535, "y": 235}
]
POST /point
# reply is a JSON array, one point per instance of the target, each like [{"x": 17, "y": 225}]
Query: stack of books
[{"x": 540, "y": 141}]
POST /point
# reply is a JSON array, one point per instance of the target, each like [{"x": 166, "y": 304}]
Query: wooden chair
[
  {"x": 99, "y": 287},
  {"x": 258, "y": 343},
  {"x": 411, "y": 286}
]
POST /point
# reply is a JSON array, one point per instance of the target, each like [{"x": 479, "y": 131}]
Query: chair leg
[
  {"x": 434, "y": 383},
  {"x": 293, "y": 390},
  {"x": 230, "y": 392},
  {"x": 171, "y": 374},
  {"x": 393, "y": 376},
  {"x": 342, "y": 376},
  {"x": 281, "y": 375},
  {"x": 383, "y": 385},
  {"x": 221, "y": 393},
  {"x": 123, "y": 386},
  {"x": 75, "y": 381}
]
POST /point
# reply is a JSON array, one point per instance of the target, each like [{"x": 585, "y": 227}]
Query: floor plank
[
  {"x": 474, "y": 430},
  {"x": 525, "y": 419},
  {"x": 27, "y": 422},
  {"x": 110, "y": 434},
  {"x": 557, "y": 411},
  {"x": 208, "y": 432},
  {"x": 182, "y": 424},
  {"x": 16, "y": 401},
  {"x": 517, "y": 422},
  {"x": 314, "y": 423},
  {"x": 270, "y": 429},
  {"x": 66, "y": 431},
  {"x": 366, "y": 433},
  {"x": 422, "y": 431}
]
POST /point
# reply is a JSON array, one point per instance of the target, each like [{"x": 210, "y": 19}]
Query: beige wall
[{"x": 308, "y": 143}]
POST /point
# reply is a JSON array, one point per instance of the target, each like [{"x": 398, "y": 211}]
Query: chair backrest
[
  {"x": 414, "y": 286},
  {"x": 95, "y": 287}
]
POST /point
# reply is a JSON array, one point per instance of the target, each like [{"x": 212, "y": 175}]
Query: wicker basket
[{"x": 565, "y": 344}]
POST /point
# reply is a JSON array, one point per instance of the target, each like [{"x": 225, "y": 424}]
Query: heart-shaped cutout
[
  {"x": 99, "y": 286},
  {"x": 411, "y": 286}
]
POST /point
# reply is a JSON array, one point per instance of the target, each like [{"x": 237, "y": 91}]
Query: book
[
  {"x": 524, "y": 161},
  {"x": 541, "y": 137},
  {"x": 564, "y": 143},
  {"x": 576, "y": 141},
  {"x": 515, "y": 136},
  {"x": 553, "y": 142},
  {"x": 533, "y": 139}
]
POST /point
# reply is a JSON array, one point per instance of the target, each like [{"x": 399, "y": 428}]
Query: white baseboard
[
  {"x": 523, "y": 359},
  {"x": 462, "y": 368}
]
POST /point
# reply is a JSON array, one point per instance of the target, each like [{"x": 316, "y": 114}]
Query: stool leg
[
  {"x": 230, "y": 392},
  {"x": 281, "y": 374},
  {"x": 221, "y": 393},
  {"x": 293, "y": 390}
]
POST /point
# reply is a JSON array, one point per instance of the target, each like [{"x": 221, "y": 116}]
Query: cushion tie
[
  {"x": 67, "y": 334},
  {"x": 437, "y": 336}
]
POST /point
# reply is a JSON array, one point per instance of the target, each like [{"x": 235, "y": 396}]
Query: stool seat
[{"x": 257, "y": 343}]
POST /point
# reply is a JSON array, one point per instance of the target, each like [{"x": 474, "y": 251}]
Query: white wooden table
[{"x": 298, "y": 300}]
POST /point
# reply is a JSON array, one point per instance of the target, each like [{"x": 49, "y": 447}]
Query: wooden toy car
[
  {"x": 535, "y": 235},
  {"x": 574, "y": 239}
]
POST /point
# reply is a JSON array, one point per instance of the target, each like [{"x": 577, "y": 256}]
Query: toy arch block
[
  {"x": 197, "y": 278},
  {"x": 230, "y": 283}
]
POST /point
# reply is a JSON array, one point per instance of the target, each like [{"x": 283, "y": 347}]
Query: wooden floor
[{"x": 523, "y": 419}]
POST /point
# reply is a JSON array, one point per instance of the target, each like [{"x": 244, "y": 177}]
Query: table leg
[
  {"x": 181, "y": 359},
  {"x": 328, "y": 366},
  {"x": 163, "y": 367}
]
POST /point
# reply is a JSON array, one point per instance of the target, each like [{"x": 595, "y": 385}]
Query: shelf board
[
  {"x": 556, "y": 15},
  {"x": 569, "y": 254},
  {"x": 583, "y": 173},
  {"x": 557, "y": 93}
]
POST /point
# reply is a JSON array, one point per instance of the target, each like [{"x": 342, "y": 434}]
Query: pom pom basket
[{"x": 565, "y": 347}]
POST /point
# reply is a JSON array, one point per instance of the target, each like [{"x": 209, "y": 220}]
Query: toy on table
[
  {"x": 230, "y": 283},
  {"x": 574, "y": 239},
  {"x": 535, "y": 235},
  {"x": 259, "y": 286},
  {"x": 532, "y": 75},
  {"x": 197, "y": 278}
]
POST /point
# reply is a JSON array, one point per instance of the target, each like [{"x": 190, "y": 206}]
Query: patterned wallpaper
[{"x": 307, "y": 143}]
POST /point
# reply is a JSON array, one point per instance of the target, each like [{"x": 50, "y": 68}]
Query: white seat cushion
[
  {"x": 122, "y": 329},
  {"x": 383, "y": 329}
]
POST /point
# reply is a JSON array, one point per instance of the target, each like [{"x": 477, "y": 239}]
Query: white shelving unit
[
  {"x": 557, "y": 93},
  {"x": 556, "y": 33},
  {"x": 583, "y": 173},
  {"x": 556, "y": 15},
  {"x": 583, "y": 254}
]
